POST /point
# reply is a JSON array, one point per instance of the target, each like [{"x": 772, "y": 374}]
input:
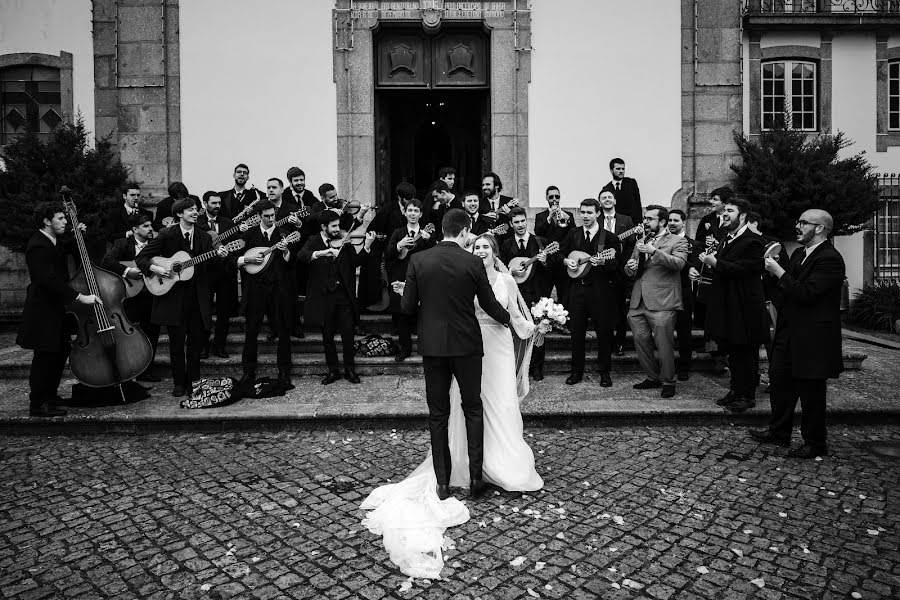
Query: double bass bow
[{"x": 109, "y": 349}]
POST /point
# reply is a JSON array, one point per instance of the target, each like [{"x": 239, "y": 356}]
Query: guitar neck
[
  {"x": 221, "y": 237},
  {"x": 196, "y": 260}
]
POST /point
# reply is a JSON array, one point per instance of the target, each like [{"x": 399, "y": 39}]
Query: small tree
[
  {"x": 33, "y": 171},
  {"x": 785, "y": 172}
]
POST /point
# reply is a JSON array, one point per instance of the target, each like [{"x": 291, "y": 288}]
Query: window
[
  {"x": 789, "y": 86},
  {"x": 894, "y": 95},
  {"x": 887, "y": 230},
  {"x": 30, "y": 98}
]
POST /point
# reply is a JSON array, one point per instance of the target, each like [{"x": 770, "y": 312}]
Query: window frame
[
  {"x": 788, "y": 96},
  {"x": 63, "y": 62}
]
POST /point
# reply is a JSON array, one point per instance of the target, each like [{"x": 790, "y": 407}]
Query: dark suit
[
  {"x": 709, "y": 226},
  {"x": 538, "y": 285},
  {"x": 137, "y": 308},
  {"x": 233, "y": 203},
  {"x": 552, "y": 232},
  {"x": 185, "y": 310},
  {"x": 442, "y": 284},
  {"x": 736, "y": 316},
  {"x": 684, "y": 318},
  {"x": 331, "y": 297},
  {"x": 396, "y": 271},
  {"x": 436, "y": 215},
  {"x": 42, "y": 328},
  {"x": 387, "y": 219},
  {"x": 502, "y": 218},
  {"x": 620, "y": 224},
  {"x": 594, "y": 296},
  {"x": 117, "y": 222},
  {"x": 307, "y": 198},
  {"x": 807, "y": 348},
  {"x": 628, "y": 198},
  {"x": 222, "y": 281}
]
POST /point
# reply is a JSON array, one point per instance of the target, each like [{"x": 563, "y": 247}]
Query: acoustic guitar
[
  {"x": 520, "y": 262},
  {"x": 182, "y": 264},
  {"x": 133, "y": 287},
  {"x": 636, "y": 230},
  {"x": 300, "y": 214},
  {"x": 265, "y": 252},
  {"x": 583, "y": 262},
  {"x": 233, "y": 231},
  {"x": 498, "y": 230}
]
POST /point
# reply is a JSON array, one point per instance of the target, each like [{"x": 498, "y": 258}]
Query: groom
[{"x": 445, "y": 280}]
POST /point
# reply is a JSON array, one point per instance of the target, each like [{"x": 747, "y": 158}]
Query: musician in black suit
[
  {"x": 523, "y": 244},
  {"x": 404, "y": 243},
  {"x": 137, "y": 308},
  {"x": 240, "y": 196},
  {"x": 553, "y": 224},
  {"x": 185, "y": 310},
  {"x": 684, "y": 317},
  {"x": 442, "y": 284},
  {"x": 164, "y": 216},
  {"x": 266, "y": 292},
  {"x": 736, "y": 317},
  {"x": 42, "y": 328},
  {"x": 594, "y": 295},
  {"x": 222, "y": 276},
  {"x": 617, "y": 223},
  {"x": 117, "y": 221},
  {"x": 478, "y": 222},
  {"x": 807, "y": 348},
  {"x": 297, "y": 193},
  {"x": 438, "y": 200},
  {"x": 331, "y": 292},
  {"x": 495, "y": 205},
  {"x": 628, "y": 195},
  {"x": 711, "y": 227}
]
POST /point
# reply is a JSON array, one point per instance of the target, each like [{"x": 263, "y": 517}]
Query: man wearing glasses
[
  {"x": 553, "y": 224},
  {"x": 807, "y": 347}
]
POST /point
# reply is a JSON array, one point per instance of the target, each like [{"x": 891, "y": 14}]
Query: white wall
[
  {"x": 49, "y": 27},
  {"x": 605, "y": 82},
  {"x": 257, "y": 88}
]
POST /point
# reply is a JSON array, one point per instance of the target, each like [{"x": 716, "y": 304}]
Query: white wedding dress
[{"x": 408, "y": 515}]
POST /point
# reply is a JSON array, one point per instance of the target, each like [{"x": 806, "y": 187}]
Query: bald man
[{"x": 807, "y": 347}]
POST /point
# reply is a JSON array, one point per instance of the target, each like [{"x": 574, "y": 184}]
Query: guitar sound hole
[{"x": 176, "y": 268}]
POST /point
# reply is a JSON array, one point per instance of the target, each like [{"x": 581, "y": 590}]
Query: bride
[{"x": 409, "y": 515}]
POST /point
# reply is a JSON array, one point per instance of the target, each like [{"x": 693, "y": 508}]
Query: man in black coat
[
  {"x": 240, "y": 196},
  {"x": 331, "y": 292},
  {"x": 478, "y": 222},
  {"x": 539, "y": 284},
  {"x": 185, "y": 310},
  {"x": 374, "y": 288},
  {"x": 594, "y": 295},
  {"x": 628, "y": 195},
  {"x": 711, "y": 227},
  {"x": 222, "y": 276},
  {"x": 736, "y": 316},
  {"x": 117, "y": 221},
  {"x": 404, "y": 243},
  {"x": 42, "y": 328},
  {"x": 553, "y": 224},
  {"x": 495, "y": 205},
  {"x": 807, "y": 348},
  {"x": 618, "y": 223},
  {"x": 442, "y": 284},
  {"x": 296, "y": 193},
  {"x": 164, "y": 217},
  {"x": 137, "y": 308},
  {"x": 684, "y": 318},
  {"x": 438, "y": 200}
]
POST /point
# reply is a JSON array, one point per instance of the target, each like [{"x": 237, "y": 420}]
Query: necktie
[
  {"x": 268, "y": 237},
  {"x": 473, "y": 223},
  {"x": 411, "y": 234},
  {"x": 609, "y": 224},
  {"x": 521, "y": 245},
  {"x": 618, "y": 186},
  {"x": 587, "y": 236},
  {"x": 187, "y": 239},
  {"x": 642, "y": 258}
]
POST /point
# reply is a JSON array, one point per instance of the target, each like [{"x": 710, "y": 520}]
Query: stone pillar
[
  {"x": 712, "y": 99},
  {"x": 137, "y": 88}
]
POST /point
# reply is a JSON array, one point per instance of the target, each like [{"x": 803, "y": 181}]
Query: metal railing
[
  {"x": 887, "y": 228},
  {"x": 809, "y": 7}
]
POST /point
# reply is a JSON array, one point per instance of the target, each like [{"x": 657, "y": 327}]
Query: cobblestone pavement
[{"x": 632, "y": 511}]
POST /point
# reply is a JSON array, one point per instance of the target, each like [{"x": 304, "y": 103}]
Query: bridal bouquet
[{"x": 548, "y": 315}]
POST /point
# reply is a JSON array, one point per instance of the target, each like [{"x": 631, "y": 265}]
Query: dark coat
[
  {"x": 307, "y": 199},
  {"x": 540, "y": 282},
  {"x": 628, "y": 198},
  {"x": 137, "y": 307},
  {"x": 693, "y": 260},
  {"x": 442, "y": 284},
  {"x": 168, "y": 308},
  {"x": 809, "y": 313},
  {"x": 622, "y": 224},
  {"x": 735, "y": 304},
  {"x": 395, "y": 266},
  {"x": 436, "y": 215},
  {"x": 347, "y": 262},
  {"x": 485, "y": 207},
  {"x": 117, "y": 222},
  {"x": 231, "y": 205},
  {"x": 550, "y": 231},
  {"x": 602, "y": 278},
  {"x": 47, "y": 296},
  {"x": 709, "y": 225},
  {"x": 276, "y": 279},
  {"x": 222, "y": 273}
]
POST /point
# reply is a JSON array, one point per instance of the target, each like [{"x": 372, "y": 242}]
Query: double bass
[{"x": 109, "y": 349}]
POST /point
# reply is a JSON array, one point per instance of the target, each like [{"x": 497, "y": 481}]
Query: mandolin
[
  {"x": 182, "y": 264},
  {"x": 520, "y": 263},
  {"x": 266, "y": 252},
  {"x": 429, "y": 229},
  {"x": 583, "y": 260}
]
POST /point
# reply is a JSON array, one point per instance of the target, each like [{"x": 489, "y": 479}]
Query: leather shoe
[
  {"x": 331, "y": 378},
  {"x": 740, "y": 405},
  {"x": 221, "y": 352},
  {"x": 46, "y": 410},
  {"x": 476, "y": 488},
  {"x": 807, "y": 451},
  {"x": 538, "y": 375},
  {"x": 668, "y": 391},
  {"x": 149, "y": 377},
  {"x": 443, "y": 491},
  {"x": 351, "y": 376},
  {"x": 605, "y": 380},
  {"x": 647, "y": 384},
  {"x": 764, "y": 436},
  {"x": 574, "y": 378},
  {"x": 726, "y": 399},
  {"x": 402, "y": 355},
  {"x": 683, "y": 376},
  {"x": 179, "y": 391}
]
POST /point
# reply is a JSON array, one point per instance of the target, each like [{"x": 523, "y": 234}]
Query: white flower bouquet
[{"x": 548, "y": 315}]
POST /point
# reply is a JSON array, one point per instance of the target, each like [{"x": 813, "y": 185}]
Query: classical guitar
[
  {"x": 265, "y": 252},
  {"x": 233, "y": 231},
  {"x": 636, "y": 230},
  {"x": 519, "y": 262},
  {"x": 300, "y": 214},
  {"x": 498, "y": 230},
  {"x": 583, "y": 262},
  {"x": 133, "y": 287},
  {"x": 182, "y": 264}
]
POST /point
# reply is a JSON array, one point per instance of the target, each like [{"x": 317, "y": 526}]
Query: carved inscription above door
[{"x": 413, "y": 60}]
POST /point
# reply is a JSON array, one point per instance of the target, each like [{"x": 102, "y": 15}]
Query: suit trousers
[
  {"x": 46, "y": 373},
  {"x": 649, "y": 326},
  {"x": 405, "y": 325},
  {"x": 623, "y": 293},
  {"x": 581, "y": 307},
  {"x": 786, "y": 390},
  {"x": 559, "y": 278},
  {"x": 186, "y": 369},
  {"x": 439, "y": 371},
  {"x": 684, "y": 333},
  {"x": 271, "y": 302},
  {"x": 743, "y": 360},
  {"x": 338, "y": 318},
  {"x": 138, "y": 311},
  {"x": 225, "y": 309}
]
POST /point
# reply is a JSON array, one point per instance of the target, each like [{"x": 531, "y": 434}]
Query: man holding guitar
[
  {"x": 526, "y": 255},
  {"x": 618, "y": 223},
  {"x": 593, "y": 260},
  {"x": 185, "y": 309},
  {"x": 222, "y": 275}
]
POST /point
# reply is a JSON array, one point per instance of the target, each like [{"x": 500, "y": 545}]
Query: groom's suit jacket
[{"x": 445, "y": 280}]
